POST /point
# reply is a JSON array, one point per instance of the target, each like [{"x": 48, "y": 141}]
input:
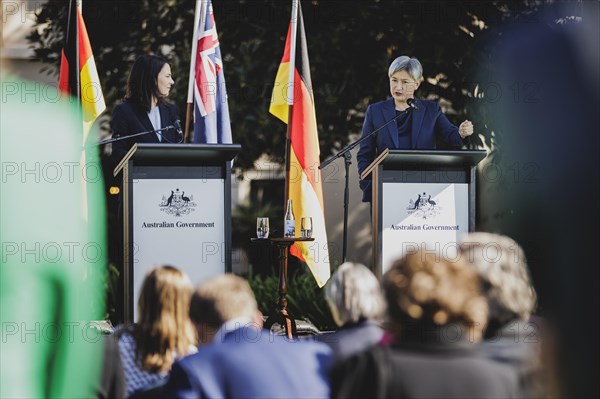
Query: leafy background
[{"x": 351, "y": 44}]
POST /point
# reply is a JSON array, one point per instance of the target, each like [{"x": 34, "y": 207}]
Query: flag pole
[
  {"x": 198, "y": 14},
  {"x": 74, "y": 71},
  {"x": 290, "y": 98},
  {"x": 72, "y": 26},
  {"x": 188, "y": 121}
]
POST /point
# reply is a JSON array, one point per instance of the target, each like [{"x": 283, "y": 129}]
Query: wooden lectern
[
  {"x": 422, "y": 199},
  {"x": 176, "y": 211}
]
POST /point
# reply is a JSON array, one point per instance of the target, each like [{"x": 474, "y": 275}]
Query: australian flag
[{"x": 211, "y": 112}]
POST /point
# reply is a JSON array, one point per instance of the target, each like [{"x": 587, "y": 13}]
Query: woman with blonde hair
[{"x": 163, "y": 332}]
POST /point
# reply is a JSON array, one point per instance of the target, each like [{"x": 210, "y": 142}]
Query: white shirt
[{"x": 154, "y": 116}]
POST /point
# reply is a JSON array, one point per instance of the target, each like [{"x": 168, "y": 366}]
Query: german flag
[
  {"x": 79, "y": 79},
  {"x": 297, "y": 108},
  {"x": 78, "y": 74}
]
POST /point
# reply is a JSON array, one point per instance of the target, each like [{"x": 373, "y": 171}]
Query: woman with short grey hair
[
  {"x": 511, "y": 336},
  {"x": 357, "y": 306},
  {"x": 418, "y": 123},
  {"x": 411, "y": 65},
  {"x": 502, "y": 267}
]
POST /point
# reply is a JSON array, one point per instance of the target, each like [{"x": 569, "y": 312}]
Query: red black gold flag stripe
[
  {"x": 79, "y": 79},
  {"x": 78, "y": 74},
  {"x": 304, "y": 179}
]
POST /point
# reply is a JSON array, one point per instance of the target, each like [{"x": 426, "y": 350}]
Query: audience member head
[
  {"x": 426, "y": 290},
  {"x": 164, "y": 327},
  {"x": 502, "y": 268},
  {"x": 354, "y": 294},
  {"x": 220, "y": 299}
]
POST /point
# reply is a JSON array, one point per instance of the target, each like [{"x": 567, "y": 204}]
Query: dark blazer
[
  {"x": 252, "y": 364},
  {"x": 352, "y": 339},
  {"x": 517, "y": 344},
  {"x": 130, "y": 118},
  {"x": 449, "y": 370},
  {"x": 112, "y": 384},
  {"x": 428, "y": 122}
]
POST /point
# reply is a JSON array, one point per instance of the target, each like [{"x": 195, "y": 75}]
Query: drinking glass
[
  {"x": 262, "y": 227},
  {"x": 306, "y": 227}
]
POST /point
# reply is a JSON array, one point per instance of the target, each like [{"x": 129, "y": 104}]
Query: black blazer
[
  {"x": 453, "y": 370},
  {"x": 130, "y": 118}
]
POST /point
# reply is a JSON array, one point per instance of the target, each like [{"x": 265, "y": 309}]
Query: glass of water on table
[
  {"x": 306, "y": 227},
  {"x": 262, "y": 227}
]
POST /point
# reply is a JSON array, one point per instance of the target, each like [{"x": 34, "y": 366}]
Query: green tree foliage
[{"x": 351, "y": 44}]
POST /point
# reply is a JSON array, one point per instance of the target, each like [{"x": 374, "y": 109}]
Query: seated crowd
[{"x": 434, "y": 327}]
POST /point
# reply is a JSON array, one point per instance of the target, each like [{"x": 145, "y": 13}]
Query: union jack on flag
[{"x": 211, "y": 111}]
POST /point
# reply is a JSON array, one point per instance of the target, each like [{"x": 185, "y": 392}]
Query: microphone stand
[
  {"x": 112, "y": 140},
  {"x": 345, "y": 152}
]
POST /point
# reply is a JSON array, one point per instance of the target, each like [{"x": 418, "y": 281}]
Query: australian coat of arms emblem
[
  {"x": 177, "y": 203},
  {"x": 423, "y": 207}
]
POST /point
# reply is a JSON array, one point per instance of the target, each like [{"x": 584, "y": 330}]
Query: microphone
[
  {"x": 177, "y": 126},
  {"x": 118, "y": 137},
  {"x": 350, "y": 146},
  {"x": 412, "y": 103}
]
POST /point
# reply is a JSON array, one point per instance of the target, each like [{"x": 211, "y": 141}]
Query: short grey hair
[
  {"x": 502, "y": 268},
  {"x": 354, "y": 294},
  {"x": 411, "y": 65}
]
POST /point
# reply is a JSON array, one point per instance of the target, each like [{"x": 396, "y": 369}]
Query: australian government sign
[
  {"x": 426, "y": 216},
  {"x": 178, "y": 222}
]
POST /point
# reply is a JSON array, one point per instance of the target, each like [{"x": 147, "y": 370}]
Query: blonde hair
[
  {"x": 502, "y": 267},
  {"x": 222, "y": 298},
  {"x": 164, "y": 328},
  {"x": 354, "y": 294},
  {"x": 427, "y": 288}
]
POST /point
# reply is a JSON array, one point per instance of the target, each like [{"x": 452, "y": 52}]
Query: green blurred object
[{"x": 53, "y": 251}]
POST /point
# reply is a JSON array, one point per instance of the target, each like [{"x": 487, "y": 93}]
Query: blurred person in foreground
[
  {"x": 437, "y": 309},
  {"x": 53, "y": 250},
  {"x": 415, "y": 128},
  {"x": 551, "y": 129},
  {"x": 242, "y": 360},
  {"x": 163, "y": 332},
  {"x": 357, "y": 305},
  {"x": 510, "y": 337}
]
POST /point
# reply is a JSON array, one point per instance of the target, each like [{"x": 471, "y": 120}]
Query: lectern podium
[
  {"x": 421, "y": 200},
  {"x": 176, "y": 211}
]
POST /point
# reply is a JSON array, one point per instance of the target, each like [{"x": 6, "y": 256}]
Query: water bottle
[{"x": 289, "y": 226}]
